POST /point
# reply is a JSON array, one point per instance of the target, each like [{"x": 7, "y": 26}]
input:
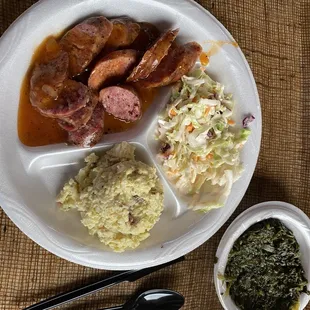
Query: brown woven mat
[{"x": 274, "y": 36}]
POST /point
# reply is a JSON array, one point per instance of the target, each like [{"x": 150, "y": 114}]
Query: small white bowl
[{"x": 292, "y": 217}]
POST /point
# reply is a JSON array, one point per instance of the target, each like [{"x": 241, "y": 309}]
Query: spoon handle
[{"x": 114, "y": 308}]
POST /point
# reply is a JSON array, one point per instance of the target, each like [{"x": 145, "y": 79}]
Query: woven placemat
[{"x": 273, "y": 34}]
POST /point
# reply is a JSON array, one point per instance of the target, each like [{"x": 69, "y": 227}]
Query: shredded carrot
[
  {"x": 190, "y": 127},
  {"x": 207, "y": 111},
  {"x": 231, "y": 122},
  {"x": 210, "y": 156},
  {"x": 173, "y": 112},
  {"x": 195, "y": 157}
]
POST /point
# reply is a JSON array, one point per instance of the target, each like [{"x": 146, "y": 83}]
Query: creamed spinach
[{"x": 264, "y": 268}]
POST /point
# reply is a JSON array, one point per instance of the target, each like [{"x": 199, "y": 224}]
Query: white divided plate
[
  {"x": 30, "y": 178},
  {"x": 292, "y": 217}
]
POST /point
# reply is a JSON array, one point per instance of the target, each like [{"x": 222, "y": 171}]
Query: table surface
[{"x": 273, "y": 35}]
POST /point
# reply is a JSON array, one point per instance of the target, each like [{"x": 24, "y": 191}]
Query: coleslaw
[{"x": 200, "y": 143}]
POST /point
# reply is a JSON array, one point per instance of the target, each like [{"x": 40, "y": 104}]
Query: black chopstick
[{"x": 127, "y": 276}]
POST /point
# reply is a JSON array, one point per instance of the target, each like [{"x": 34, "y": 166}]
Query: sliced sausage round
[
  {"x": 147, "y": 36},
  {"x": 92, "y": 132},
  {"x": 112, "y": 68},
  {"x": 73, "y": 97},
  {"x": 179, "y": 61},
  {"x": 49, "y": 75},
  {"x": 122, "y": 102},
  {"x": 152, "y": 57},
  {"x": 124, "y": 32},
  {"x": 79, "y": 118},
  {"x": 85, "y": 41}
]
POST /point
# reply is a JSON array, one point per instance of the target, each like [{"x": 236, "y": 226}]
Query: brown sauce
[
  {"x": 37, "y": 130},
  {"x": 217, "y": 45},
  {"x": 33, "y": 128},
  {"x": 204, "y": 59}
]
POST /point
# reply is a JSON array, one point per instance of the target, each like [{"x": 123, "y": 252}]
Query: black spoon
[{"x": 153, "y": 300}]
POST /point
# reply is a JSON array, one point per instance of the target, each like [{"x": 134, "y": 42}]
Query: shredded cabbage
[{"x": 201, "y": 146}]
